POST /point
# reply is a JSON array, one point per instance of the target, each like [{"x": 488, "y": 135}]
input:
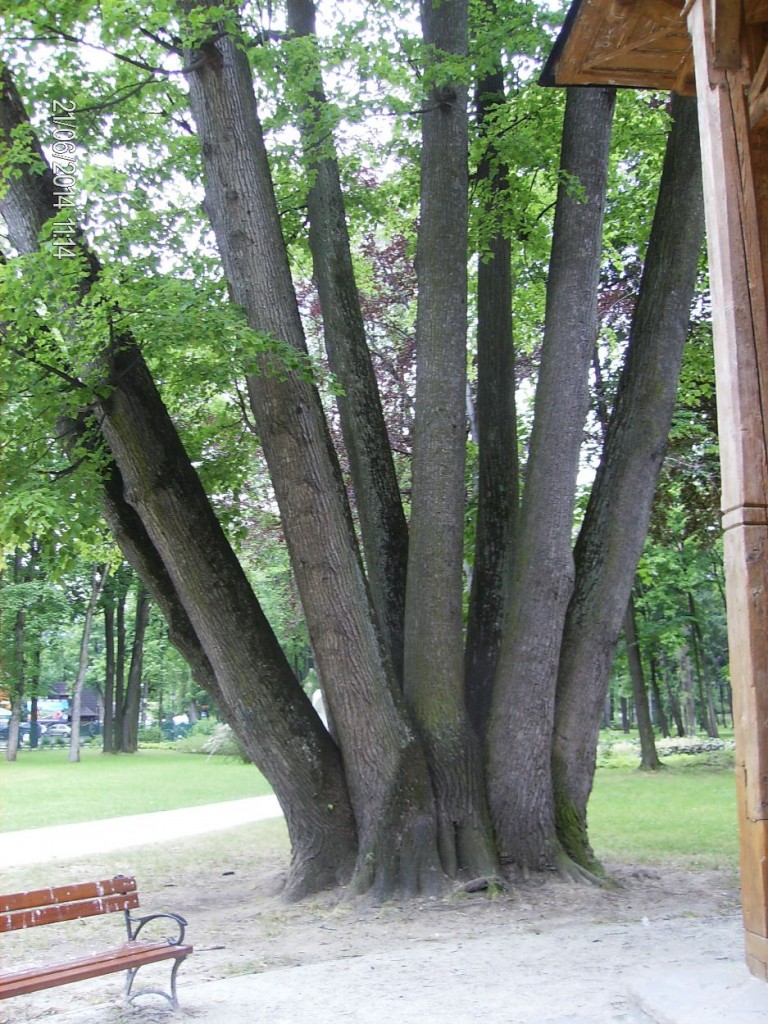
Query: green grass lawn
[
  {"x": 43, "y": 788},
  {"x": 684, "y": 814}
]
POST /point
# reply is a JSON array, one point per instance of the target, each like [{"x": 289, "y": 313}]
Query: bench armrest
[{"x": 135, "y": 925}]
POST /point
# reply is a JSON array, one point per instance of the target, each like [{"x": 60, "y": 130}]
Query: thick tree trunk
[
  {"x": 293, "y": 749},
  {"x": 616, "y": 522},
  {"x": 132, "y": 706},
  {"x": 498, "y": 469},
  {"x": 519, "y": 738},
  {"x": 383, "y": 526},
  {"x": 98, "y": 578},
  {"x": 649, "y": 759},
  {"x": 162, "y": 516},
  {"x": 434, "y": 653},
  {"x": 385, "y": 765}
]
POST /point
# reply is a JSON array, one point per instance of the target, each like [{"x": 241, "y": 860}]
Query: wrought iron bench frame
[{"x": 89, "y": 899}]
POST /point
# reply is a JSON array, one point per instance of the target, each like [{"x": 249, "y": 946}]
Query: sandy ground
[{"x": 546, "y": 952}]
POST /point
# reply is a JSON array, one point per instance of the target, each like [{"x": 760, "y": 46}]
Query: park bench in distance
[{"x": 89, "y": 899}]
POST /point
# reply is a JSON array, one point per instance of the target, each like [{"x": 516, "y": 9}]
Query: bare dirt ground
[{"x": 548, "y": 929}]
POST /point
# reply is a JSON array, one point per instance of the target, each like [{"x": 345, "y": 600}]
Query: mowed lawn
[
  {"x": 43, "y": 788},
  {"x": 684, "y": 814}
]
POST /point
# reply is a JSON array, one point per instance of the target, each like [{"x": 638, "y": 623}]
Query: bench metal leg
[{"x": 171, "y": 997}]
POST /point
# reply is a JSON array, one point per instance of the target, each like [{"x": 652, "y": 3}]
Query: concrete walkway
[
  {"x": 475, "y": 981},
  {"x": 562, "y": 978},
  {"x": 59, "y": 842}
]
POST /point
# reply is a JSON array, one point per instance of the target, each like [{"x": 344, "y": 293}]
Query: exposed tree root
[
  {"x": 486, "y": 883},
  {"x": 570, "y": 871}
]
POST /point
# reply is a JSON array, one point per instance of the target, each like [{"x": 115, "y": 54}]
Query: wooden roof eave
[{"x": 640, "y": 44}]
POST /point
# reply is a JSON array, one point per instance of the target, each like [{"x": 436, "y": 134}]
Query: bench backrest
[{"x": 67, "y": 903}]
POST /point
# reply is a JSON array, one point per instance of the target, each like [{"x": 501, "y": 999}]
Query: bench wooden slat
[
  {"x": 66, "y": 893},
  {"x": 129, "y": 955},
  {"x": 67, "y": 911}
]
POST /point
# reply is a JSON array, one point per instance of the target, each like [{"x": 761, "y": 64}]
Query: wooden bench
[{"x": 89, "y": 899}]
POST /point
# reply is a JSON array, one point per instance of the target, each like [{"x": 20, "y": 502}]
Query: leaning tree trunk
[
  {"x": 519, "y": 737},
  {"x": 385, "y": 765},
  {"x": 434, "y": 652},
  {"x": 498, "y": 469},
  {"x": 615, "y": 525},
  {"x": 383, "y": 527},
  {"x": 160, "y": 511}
]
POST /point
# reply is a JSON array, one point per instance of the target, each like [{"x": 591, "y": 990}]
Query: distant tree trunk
[
  {"x": 626, "y": 721},
  {"x": 434, "y": 654},
  {"x": 108, "y": 739},
  {"x": 659, "y": 703},
  {"x": 616, "y": 521},
  {"x": 18, "y": 677},
  {"x": 674, "y": 703},
  {"x": 649, "y": 759},
  {"x": 396, "y": 822},
  {"x": 132, "y": 708},
  {"x": 120, "y": 663},
  {"x": 707, "y": 715},
  {"x": 383, "y": 526},
  {"x": 519, "y": 737},
  {"x": 498, "y": 469},
  {"x": 98, "y": 579},
  {"x": 686, "y": 692}
]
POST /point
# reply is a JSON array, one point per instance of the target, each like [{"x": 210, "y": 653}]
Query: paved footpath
[
  {"x": 60, "y": 842},
  {"x": 436, "y": 982}
]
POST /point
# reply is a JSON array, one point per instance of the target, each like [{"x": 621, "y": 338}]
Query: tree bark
[
  {"x": 649, "y": 759},
  {"x": 498, "y": 468},
  {"x": 107, "y": 738},
  {"x": 519, "y": 738},
  {"x": 434, "y": 655},
  {"x": 615, "y": 525},
  {"x": 161, "y": 513},
  {"x": 385, "y": 764},
  {"x": 383, "y": 527},
  {"x": 120, "y": 650},
  {"x": 658, "y": 700},
  {"x": 132, "y": 706},
  {"x": 98, "y": 578}
]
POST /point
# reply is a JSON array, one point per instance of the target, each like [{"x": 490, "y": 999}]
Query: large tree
[{"x": 396, "y": 799}]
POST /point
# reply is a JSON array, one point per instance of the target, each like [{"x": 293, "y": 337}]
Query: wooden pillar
[{"x": 736, "y": 194}]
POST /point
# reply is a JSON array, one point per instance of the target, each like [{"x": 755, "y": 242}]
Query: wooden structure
[
  {"x": 719, "y": 48},
  {"x": 91, "y": 899}
]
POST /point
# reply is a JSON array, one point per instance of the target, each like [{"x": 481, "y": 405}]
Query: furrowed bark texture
[
  {"x": 385, "y": 765},
  {"x": 294, "y": 751},
  {"x": 498, "y": 469},
  {"x": 173, "y": 529},
  {"x": 616, "y": 522},
  {"x": 434, "y": 655},
  {"x": 383, "y": 527},
  {"x": 519, "y": 736}
]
